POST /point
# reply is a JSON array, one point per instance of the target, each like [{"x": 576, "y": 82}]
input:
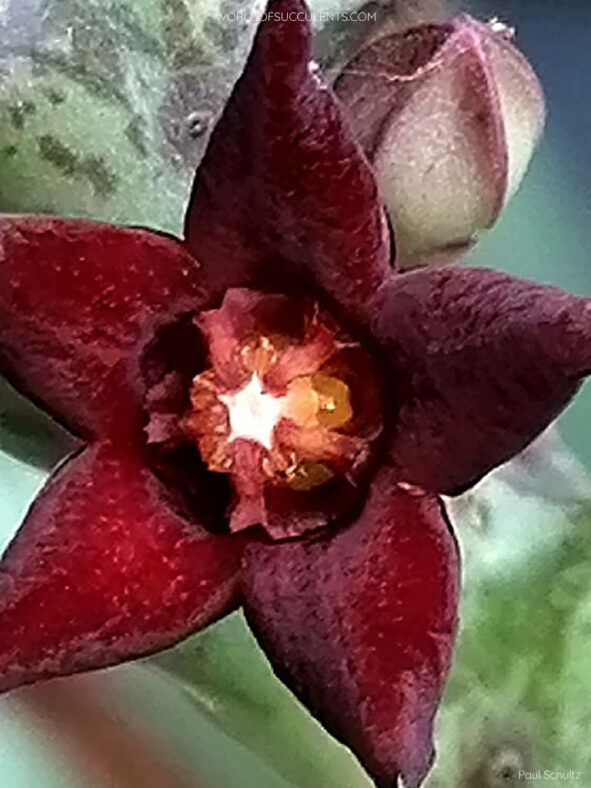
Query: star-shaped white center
[{"x": 253, "y": 412}]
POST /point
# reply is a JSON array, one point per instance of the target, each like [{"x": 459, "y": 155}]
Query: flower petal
[
  {"x": 103, "y": 570},
  {"x": 361, "y": 627},
  {"x": 78, "y": 299},
  {"x": 283, "y": 180},
  {"x": 482, "y": 362}
]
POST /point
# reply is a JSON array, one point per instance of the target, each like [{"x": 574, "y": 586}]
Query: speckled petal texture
[
  {"x": 361, "y": 627},
  {"x": 102, "y": 571},
  {"x": 76, "y": 302},
  {"x": 283, "y": 183},
  {"x": 481, "y": 362}
]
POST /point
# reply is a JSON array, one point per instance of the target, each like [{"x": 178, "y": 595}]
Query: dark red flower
[{"x": 271, "y": 368}]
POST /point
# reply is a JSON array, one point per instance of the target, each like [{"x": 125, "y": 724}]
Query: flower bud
[{"x": 449, "y": 115}]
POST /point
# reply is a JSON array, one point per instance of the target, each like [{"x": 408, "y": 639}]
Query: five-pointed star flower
[{"x": 268, "y": 413}]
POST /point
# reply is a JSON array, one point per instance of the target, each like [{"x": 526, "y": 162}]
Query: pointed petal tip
[
  {"x": 103, "y": 571},
  {"x": 483, "y": 362},
  {"x": 361, "y": 626},
  {"x": 77, "y": 300},
  {"x": 284, "y": 188}
]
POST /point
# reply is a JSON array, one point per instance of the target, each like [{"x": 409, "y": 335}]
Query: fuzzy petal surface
[
  {"x": 102, "y": 570},
  {"x": 481, "y": 363},
  {"x": 78, "y": 300},
  {"x": 361, "y": 626},
  {"x": 284, "y": 186}
]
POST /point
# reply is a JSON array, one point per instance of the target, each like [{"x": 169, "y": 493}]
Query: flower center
[
  {"x": 293, "y": 427},
  {"x": 311, "y": 401},
  {"x": 253, "y": 413},
  {"x": 280, "y": 410}
]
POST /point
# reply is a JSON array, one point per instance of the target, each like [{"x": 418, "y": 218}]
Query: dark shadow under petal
[{"x": 28, "y": 434}]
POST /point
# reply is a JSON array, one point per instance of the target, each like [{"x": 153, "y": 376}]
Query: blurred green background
[{"x": 105, "y": 107}]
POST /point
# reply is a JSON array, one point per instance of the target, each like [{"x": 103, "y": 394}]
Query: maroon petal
[
  {"x": 103, "y": 571},
  {"x": 481, "y": 362},
  {"x": 361, "y": 627},
  {"x": 283, "y": 181},
  {"x": 77, "y": 300}
]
